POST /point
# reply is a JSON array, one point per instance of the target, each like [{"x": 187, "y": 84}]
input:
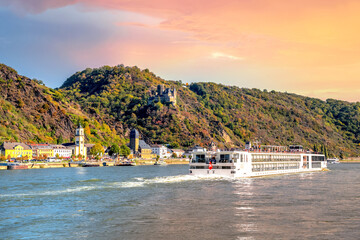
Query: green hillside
[
  {"x": 109, "y": 101},
  {"x": 31, "y": 112}
]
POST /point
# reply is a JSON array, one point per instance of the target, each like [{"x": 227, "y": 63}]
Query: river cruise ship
[{"x": 242, "y": 164}]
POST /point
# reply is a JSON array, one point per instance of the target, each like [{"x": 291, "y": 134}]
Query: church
[
  {"x": 139, "y": 147},
  {"x": 79, "y": 147}
]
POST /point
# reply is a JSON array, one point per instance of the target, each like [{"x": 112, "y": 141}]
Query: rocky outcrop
[{"x": 31, "y": 104}]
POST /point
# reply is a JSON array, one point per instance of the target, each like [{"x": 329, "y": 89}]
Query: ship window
[
  {"x": 224, "y": 158},
  {"x": 236, "y": 157},
  {"x": 200, "y": 158}
]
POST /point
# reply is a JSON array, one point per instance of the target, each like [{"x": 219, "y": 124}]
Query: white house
[
  {"x": 61, "y": 151},
  {"x": 160, "y": 150},
  {"x": 178, "y": 152}
]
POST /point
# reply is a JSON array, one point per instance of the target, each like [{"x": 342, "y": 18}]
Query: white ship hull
[{"x": 228, "y": 173}]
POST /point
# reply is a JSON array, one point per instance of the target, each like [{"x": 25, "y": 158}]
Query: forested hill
[
  {"x": 31, "y": 112},
  {"x": 110, "y": 101}
]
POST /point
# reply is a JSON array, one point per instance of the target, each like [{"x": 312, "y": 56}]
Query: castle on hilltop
[{"x": 162, "y": 94}]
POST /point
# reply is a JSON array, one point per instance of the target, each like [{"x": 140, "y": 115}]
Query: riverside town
[
  {"x": 84, "y": 154},
  {"x": 256, "y": 160}
]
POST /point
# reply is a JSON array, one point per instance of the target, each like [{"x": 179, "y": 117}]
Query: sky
[{"x": 308, "y": 47}]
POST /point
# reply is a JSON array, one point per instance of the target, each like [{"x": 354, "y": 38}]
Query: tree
[
  {"x": 325, "y": 152},
  {"x": 97, "y": 151},
  {"x": 124, "y": 150},
  {"x": 174, "y": 155},
  {"x": 315, "y": 148},
  {"x": 57, "y": 156},
  {"x": 174, "y": 145},
  {"x": 87, "y": 130},
  {"x": 21, "y": 103},
  {"x": 114, "y": 150},
  {"x": 60, "y": 140}
]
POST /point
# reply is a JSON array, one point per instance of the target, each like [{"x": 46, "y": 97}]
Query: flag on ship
[{"x": 210, "y": 165}]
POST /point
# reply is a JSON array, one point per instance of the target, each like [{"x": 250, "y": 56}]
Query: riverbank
[
  {"x": 167, "y": 161},
  {"x": 350, "y": 161},
  {"x": 138, "y": 162}
]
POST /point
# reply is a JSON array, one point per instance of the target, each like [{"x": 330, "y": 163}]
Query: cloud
[
  {"x": 35, "y": 6},
  {"x": 313, "y": 42},
  {"x": 219, "y": 55},
  {"x": 133, "y": 24}
]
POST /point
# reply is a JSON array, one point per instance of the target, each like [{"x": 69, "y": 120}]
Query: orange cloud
[{"x": 290, "y": 43}]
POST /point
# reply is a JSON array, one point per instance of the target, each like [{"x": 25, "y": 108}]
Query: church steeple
[
  {"x": 79, "y": 131},
  {"x": 80, "y": 142}
]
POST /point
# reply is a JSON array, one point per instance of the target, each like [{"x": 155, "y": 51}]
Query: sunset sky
[{"x": 308, "y": 47}]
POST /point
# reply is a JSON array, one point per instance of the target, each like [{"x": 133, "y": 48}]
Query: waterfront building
[
  {"x": 80, "y": 148},
  {"x": 61, "y": 151},
  {"x": 160, "y": 150},
  {"x": 88, "y": 147},
  {"x": 134, "y": 140},
  {"x": 145, "y": 150},
  {"x": 139, "y": 148},
  {"x": 42, "y": 150},
  {"x": 16, "y": 150},
  {"x": 178, "y": 152}
]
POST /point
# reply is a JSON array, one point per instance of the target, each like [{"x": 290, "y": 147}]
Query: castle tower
[
  {"x": 174, "y": 96},
  {"x": 80, "y": 142},
  {"x": 160, "y": 89},
  {"x": 134, "y": 140}
]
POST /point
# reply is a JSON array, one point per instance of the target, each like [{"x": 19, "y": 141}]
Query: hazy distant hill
[{"x": 110, "y": 101}]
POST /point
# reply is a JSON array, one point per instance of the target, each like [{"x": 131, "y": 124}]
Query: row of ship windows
[
  {"x": 276, "y": 160},
  {"x": 214, "y": 167},
  {"x": 278, "y": 166},
  {"x": 255, "y": 158},
  {"x": 275, "y": 157}
]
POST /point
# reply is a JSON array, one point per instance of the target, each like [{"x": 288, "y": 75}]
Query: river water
[{"x": 163, "y": 202}]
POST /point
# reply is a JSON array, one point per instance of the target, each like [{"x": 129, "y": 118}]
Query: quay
[{"x": 138, "y": 162}]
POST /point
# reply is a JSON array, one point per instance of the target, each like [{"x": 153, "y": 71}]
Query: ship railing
[
  {"x": 213, "y": 161},
  {"x": 287, "y": 151}
]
